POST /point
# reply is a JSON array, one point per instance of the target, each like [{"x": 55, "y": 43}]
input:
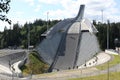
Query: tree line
[
  {"x": 18, "y": 36},
  {"x": 113, "y": 31}
]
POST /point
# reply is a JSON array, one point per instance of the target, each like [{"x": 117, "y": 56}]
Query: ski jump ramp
[{"x": 69, "y": 43}]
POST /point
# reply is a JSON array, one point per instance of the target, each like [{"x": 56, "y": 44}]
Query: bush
[{"x": 35, "y": 65}]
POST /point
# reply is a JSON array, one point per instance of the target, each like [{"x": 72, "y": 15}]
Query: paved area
[
  {"x": 8, "y": 58},
  {"x": 76, "y": 73},
  {"x": 67, "y": 74},
  {"x": 63, "y": 75},
  {"x": 97, "y": 60},
  {"x": 5, "y": 69},
  {"x": 4, "y": 52}
]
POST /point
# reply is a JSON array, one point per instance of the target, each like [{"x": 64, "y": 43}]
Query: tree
[
  {"x": 15, "y": 35},
  {"x": 94, "y": 22},
  {"x": 18, "y": 36},
  {"x": 4, "y": 9},
  {"x": 114, "y": 32}
]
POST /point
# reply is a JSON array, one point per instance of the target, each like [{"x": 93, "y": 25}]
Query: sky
[{"x": 23, "y": 11}]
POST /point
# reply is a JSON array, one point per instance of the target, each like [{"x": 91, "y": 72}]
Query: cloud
[
  {"x": 49, "y": 1},
  {"x": 3, "y": 25},
  {"x": 19, "y": 13},
  {"x": 69, "y": 8},
  {"x": 21, "y": 21},
  {"x": 58, "y": 14},
  {"x": 92, "y": 10},
  {"x": 60, "y": 9},
  {"x": 37, "y": 9},
  {"x": 31, "y": 2}
]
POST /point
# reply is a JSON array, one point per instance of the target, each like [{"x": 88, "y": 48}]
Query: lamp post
[
  {"x": 28, "y": 36},
  {"x": 102, "y": 15},
  {"x": 108, "y": 34},
  {"x": 47, "y": 20},
  {"x": 108, "y": 44},
  {"x": 116, "y": 41},
  {"x": 108, "y": 70}
]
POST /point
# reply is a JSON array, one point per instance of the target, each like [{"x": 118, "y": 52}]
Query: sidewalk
[
  {"x": 97, "y": 60},
  {"x": 4, "y": 69}
]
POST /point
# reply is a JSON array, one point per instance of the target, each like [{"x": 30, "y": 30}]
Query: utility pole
[
  {"x": 108, "y": 34},
  {"x": 108, "y": 70},
  {"x": 47, "y": 20},
  {"x": 28, "y": 36},
  {"x": 102, "y": 15},
  {"x": 28, "y": 51}
]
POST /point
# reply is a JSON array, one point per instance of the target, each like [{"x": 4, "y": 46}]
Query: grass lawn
[
  {"x": 35, "y": 65},
  {"x": 116, "y": 60},
  {"x": 112, "y": 76}
]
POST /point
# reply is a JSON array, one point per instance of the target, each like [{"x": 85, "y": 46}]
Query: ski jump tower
[{"x": 69, "y": 43}]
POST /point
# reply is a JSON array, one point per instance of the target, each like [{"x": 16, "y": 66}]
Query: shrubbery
[{"x": 34, "y": 65}]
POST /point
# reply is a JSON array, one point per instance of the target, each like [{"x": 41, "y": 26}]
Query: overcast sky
[{"x": 28, "y": 10}]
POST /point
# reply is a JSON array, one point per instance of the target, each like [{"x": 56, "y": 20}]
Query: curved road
[{"x": 68, "y": 74}]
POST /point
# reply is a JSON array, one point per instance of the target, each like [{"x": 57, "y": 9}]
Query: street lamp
[
  {"x": 108, "y": 34},
  {"x": 116, "y": 41},
  {"x": 47, "y": 20},
  {"x": 108, "y": 71},
  {"x": 28, "y": 36},
  {"x": 102, "y": 15}
]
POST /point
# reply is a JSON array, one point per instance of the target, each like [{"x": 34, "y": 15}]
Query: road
[
  {"x": 65, "y": 75},
  {"x": 68, "y": 74}
]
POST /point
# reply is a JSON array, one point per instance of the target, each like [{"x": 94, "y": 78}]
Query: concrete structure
[
  {"x": 11, "y": 61},
  {"x": 97, "y": 60},
  {"x": 70, "y": 43},
  {"x": 111, "y": 51}
]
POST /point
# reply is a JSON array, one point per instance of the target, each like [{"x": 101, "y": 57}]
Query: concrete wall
[
  {"x": 49, "y": 46},
  {"x": 88, "y": 47}
]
